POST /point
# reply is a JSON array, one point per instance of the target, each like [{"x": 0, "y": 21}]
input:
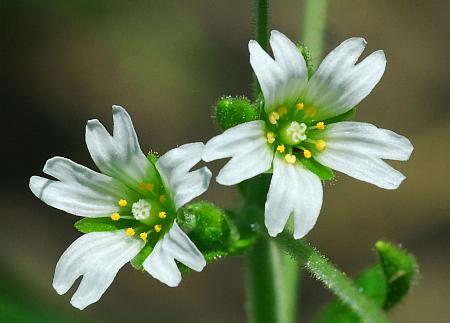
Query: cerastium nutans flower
[
  {"x": 131, "y": 208},
  {"x": 302, "y": 132}
]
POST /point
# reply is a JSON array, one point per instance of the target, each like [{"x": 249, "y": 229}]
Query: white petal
[
  {"x": 357, "y": 149},
  {"x": 80, "y": 191},
  {"x": 247, "y": 146},
  {"x": 174, "y": 168},
  {"x": 175, "y": 245},
  {"x": 367, "y": 139},
  {"x": 97, "y": 256},
  {"x": 119, "y": 155},
  {"x": 293, "y": 190},
  {"x": 282, "y": 80},
  {"x": 338, "y": 84}
]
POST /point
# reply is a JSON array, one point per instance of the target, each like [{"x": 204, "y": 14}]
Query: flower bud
[{"x": 231, "y": 111}]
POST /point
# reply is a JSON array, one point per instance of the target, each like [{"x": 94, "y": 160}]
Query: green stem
[
  {"x": 331, "y": 277},
  {"x": 262, "y": 33},
  {"x": 314, "y": 27}
]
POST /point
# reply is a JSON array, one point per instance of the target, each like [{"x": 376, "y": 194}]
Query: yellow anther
[
  {"x": 273, "y": 117},
  {"x": 141, "y": 185},
  {"x": 115, "y": 216},
  {"x": 290, "y": 159},
  {"x": 130, "y": 232},
  {"x": 158, "y": 227},
  {"x": 281, "y": 148},
  {"x": 299, "y": 106},
  {"x": 282, "y": 110},
  {"x": 270, "y": 137},
  {"x": 149, "y": 187},
  {"x": 320, "y": 125},
  {"x": 307, "y": 153},
  {"x": 310, "y": 111},
  {"x": 162, "y": 198},
  {"x": 143, "y": 236},
  {"x": 162, "y": 215},
  {"x": 321, "y": 144},
  {"x": 123, "y": 203}
]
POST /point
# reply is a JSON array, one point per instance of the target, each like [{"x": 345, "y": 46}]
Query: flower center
[
  {"x": 293, "y": 133},
  {"x": 141, "y": 210}
]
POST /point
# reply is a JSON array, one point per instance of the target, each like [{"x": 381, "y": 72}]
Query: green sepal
[
  {"x": 87, "y": 225},
  {"x": 231, "y": 111},
  {"x": 307, "y": 56},
  {"x": 400, "y": 269},
  {"x": 152, "y": 157},
  {"x": 325, "y": 173},
  {"x": 385, "y": 283},
  {"x": 138, "y": 260},
  {"x": 347, "y": 116}
]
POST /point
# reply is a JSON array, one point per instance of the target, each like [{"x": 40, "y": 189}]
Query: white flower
[
  {"x": 140, "y": 197},
  {"x": 300, "y": 133}
]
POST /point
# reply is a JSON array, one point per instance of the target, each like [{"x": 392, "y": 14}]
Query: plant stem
[
  {"x": 314, "y": 27},
  {"x": 262, "y": 34},
  {"x": 331, "y": 277}
]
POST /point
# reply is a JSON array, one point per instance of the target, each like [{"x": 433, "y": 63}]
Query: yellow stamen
[
  {"x": 281, "y": 148},
  {"x": 290, "y": 159},
  {"x": 282, "y": 110},
  {"x": 123, "y": 203},
  {"x": 162, "y": 198},
  {"x": 307, "y": 153},
  {"x": 273, "y": 117},
  {"x": 320, "y": 125},
  {"x": 158, "y": 227},
  {"x": 143, "y": 236},
  {"x": 149, "y": 187},
  {"x": 162, "y": 215},
  {"x": 270, "y": 137},
  {"x": 115, "y": 216},
  {"x": 321, "y": 144},
  {"x": 299, "y": 106},
  {"x": 310, "y": 111},
  {"x": 141, "y": 185},
  {"x": 130, "y": 232}
]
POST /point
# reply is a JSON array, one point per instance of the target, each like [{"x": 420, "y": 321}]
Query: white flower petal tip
[
  {"x": 175, "y": 245},
  {"x": 358, "y": 149},
  {"x": 119, "y": 155},
  {"x": 296, "y": 191},
  {"x": 247, "y": 146},
  {"x": 340, "y": 83},
  {"x": 174, "y": 167},
  {"x": 282, "y": 79},
  {"x": 78, "y": 190},
  {"x": 96, "y": 256}
]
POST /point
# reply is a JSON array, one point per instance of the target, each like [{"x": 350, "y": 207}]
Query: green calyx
[
  {"x": 307, "y": 56},
  {"x": 231, "y": 111}
]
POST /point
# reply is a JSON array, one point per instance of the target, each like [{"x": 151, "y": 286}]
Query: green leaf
[
  {"x": 400, "y": 269},
  {"x": 347, "y": 116},
  {"x": 385, "y": 283},
  {"x": 317, "y": 168},
  {"x": 87, "y": 225},
  {"x": 137, "y": 261}
]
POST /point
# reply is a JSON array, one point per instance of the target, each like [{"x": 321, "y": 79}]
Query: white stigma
[
  {"x": 141, "y": 210},
  {"x": 296, "y": 131}
]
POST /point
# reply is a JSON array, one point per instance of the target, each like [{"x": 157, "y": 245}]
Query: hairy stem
[
  {"x": 314, "y": 26},
  {"x": 331, "y": 277}
]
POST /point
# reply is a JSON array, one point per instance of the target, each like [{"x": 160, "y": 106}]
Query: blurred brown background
[{"x": 63, "y": 62}]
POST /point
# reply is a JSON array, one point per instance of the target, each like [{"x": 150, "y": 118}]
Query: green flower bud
[{"x": 231, "y": 111}]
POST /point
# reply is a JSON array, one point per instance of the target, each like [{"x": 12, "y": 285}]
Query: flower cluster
[{"x": 303, "y": 132}]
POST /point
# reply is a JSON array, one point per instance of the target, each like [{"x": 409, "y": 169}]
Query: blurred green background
[{"x": 63, "y": 62}]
